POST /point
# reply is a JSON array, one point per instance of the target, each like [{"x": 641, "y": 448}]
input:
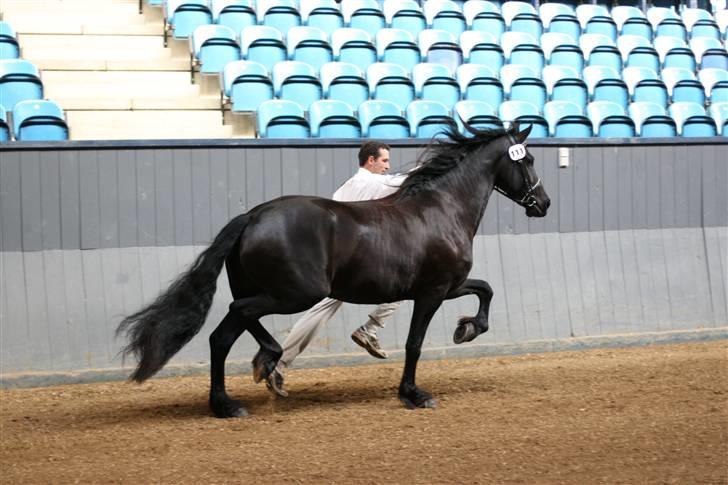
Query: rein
[{"x": 517, "y": 152}]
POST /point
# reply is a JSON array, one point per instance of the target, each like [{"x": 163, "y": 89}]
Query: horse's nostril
[{"x": 548, "y": 203}]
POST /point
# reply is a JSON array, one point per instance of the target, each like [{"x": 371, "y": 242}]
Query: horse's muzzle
[{"x": 540, "y": 208}]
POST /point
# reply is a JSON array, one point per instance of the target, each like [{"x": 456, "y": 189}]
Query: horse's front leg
[
  {"x": 410, "y": 395},
  {"x": 470, "y": 327}
]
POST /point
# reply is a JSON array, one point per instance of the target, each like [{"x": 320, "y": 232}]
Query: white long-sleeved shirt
[{"x": 365, "y": 185}]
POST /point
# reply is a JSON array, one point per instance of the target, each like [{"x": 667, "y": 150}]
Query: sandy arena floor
[{"x": 637, "y": 416}]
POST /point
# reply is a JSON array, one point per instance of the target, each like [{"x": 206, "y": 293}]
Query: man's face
[{"x": 380, "y": 164}]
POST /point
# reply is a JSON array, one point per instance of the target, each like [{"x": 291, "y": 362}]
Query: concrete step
[
  {"x": 120, "y": 103},
  {"x": 111, "y": 65},
  {"x": 100, "y": 47},
  {"x": 122, "y": 83}
]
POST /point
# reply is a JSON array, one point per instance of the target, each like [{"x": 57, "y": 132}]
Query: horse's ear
[{"x": 522, "y": 135}]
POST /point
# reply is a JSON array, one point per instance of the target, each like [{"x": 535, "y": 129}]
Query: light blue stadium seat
[
  {"x": 651, "y": 120},
  {"x": 691, "y": 119},
  {"x": 333, "y": 119},
  {"x": 263, "y": 44},
  {"x": 602, "y": 25},
  {"x": 382, "y": 120},
  {"x": 390, "y": 82},
  {"x": 566, "y": 120},
  {"x": 322, "y": 14},
  {"x": 675, "y": 52},
  {"x": 522, "y": 17},
  {"x": 605, "y": 84},
  {"x": 631, "y": 21},
  {"x": 719, "y": 113},
  {"x": 9, "y": 47},
  {"x": 182, "y": 17},
  {"x": 525, "y": 112},
  {"x": 19, "y": 81},
  {"x": 444, "y": 15},
  {"x": 645, "y": 85},
  {"x": 296, "y": 81},
  {"x": 638, "y": 52},
  {"x": 683, "y": 86},
  {"x": 406, "y": 15},
  {"x": 212, "y": 46},
  {"x": 521, "y": 83},
  {"x": 565, "y": 84},
  {"x": 428, "y": 119},
  {"x": 39, "y": 120},
  {"x": 715, "y": 83},
  {"x": 440, "y": 47},
  {"x": 671, "y": 27},
  {"x": 482, "y": 48},
  {"x": 309, "y": 45},
  {"x": 600, "y": 50},
  {"x": 435, "y": 83},
  {"x": 704, "y": 28},
  {"x": 343, "y": 81},
  {"x": 587, "y": 11},
  {"x": 560, "y": 18},
  {"x": 690, "y": 16},
  {"x": 479, "y": 82},
  {"x": 609, "y": 120},
  {"x": 562, "y": 50},
  {"x": 477, "y": 114},
  {"x": 246, "y": 85},
  {"x": 709, "y": 53},
  {"x": 280, "y": 118},
  {"x": 523, "y": 48},
  {"x": 4, "y": 127},
  {"x": 656, "y": 15},
  {"x": 483, "y": 16},
  {"x": 398, "y": 46},
  {"x": 279, "y": 14},
  {"x": 236, "y": 14},
  {"x": 354, "y": 46},
  {"x": 363, "y": 14}
]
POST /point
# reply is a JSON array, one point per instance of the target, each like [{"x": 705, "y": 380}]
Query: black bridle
[{"x": 517, "y": 153}]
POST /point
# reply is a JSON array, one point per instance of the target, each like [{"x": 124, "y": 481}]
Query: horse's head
[{"x": 515, "y": 176}]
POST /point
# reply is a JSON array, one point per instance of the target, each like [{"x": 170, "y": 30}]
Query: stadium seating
[
  {"x": 427, "y": 119},
  {"x": 566, "y": 120},
  {"x": 715, "y": 83},
  {"x": 521, "y": 83},
  {"x": 343, "y": 81},
  {"x": 406, "y": 15},
  {"x": 631, "y": 21},
  {"x": 483, "y": 16},
  {"x": 39, "y": 120},
  {"x": 719, "y": 113},
  {"x": 482, "y": 48},
  {"x": 354, "y": 46},
  {"x": 398, "y": 46},
  {"x": 479, "y": 82},
  {"x": 445, "y": 15},
  {"x": 440, "y": 47},
  {"x": 333, "y": 119},
  {"x": 4, "y": 127},
  {"x": 564, "y": 83},
  {"x": 382, "y": 119},
  {"x": 610, "y": 120},
  {"x": 263, "y": 44},
  {"x": 644, "y": 84},
  {"x": 19, "y": 81},
  {"x": 279, "y": 14},
  {"x": 525, "y": 112},
  {"x": 683, "y": 86},
  {"x": 296, "y": 81},
  {"x": 212, "y": 47},
  {"x": 245, "y": 85},
  {"x": 282, "y": 119},
  {"x": 236, "y": 14},
  {"x": 9, "y": 47},
  {"x": 691, "y": 119},
  {"x": 322, "y": 14},
  {"x": 478, "y": 114},
  {"x": 605, "y": 84},
  {"x": 309, "y": 45},
  {"x": 651, "y": 120},
  {"x": 363, "y": 14},
  {"x": 182, "y": 17},
  {"x": 390, "y": 82},
  {"x": 434, "y": 82}
]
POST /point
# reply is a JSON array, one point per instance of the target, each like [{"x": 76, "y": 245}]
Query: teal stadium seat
[
  {"x": 343, "y": 81},
  {"x": 182, "y": 17},
  {"x": 4, "y": 127},
  {"x": 263, "y": 44},
  {"x": 609, "y": 120},
  {"x": 390, "y": 82},
  {"x": 428, "y": 119},
  {"x": 39, "y": 120},
  {"x": 522, "y": 17},
  {"x": 246, "y": 85},
  {"x": 562, "y": 50},
  {"x": 651, "y": 120},
  {"x": 363, "y": 14},
  {"x": 9, "y": 47},
  {"x": 637, "y": 51},
  {"x": 296, "y": 81},
  {"x": 354, "y": 46},
  {"x": 479, "y": 82},
  {"x": 236, "y": 14},
  {"x": 382, "y": 120},
  {"x": 19, "y": 81},
  {"x": 683, "y": 86},
  {"x": 435, "y": 83},
  {"x": 478, "y": 114},
  {"x": 675, "y": 52},
  {"x": 333, "y": 119},
  {"x": 444, "y": 15},
  {"x": 665, "y": 22},
  {"x": 406, "y": 15},
  {"x": 709, "y": 53},
  {"x": 715, "y": 83},
  {"x": 605, "y": 84},
  {"x": 397, "y": 46},
  {"x": 600, "y": 50},
  {"x": 322, "y": 14},
  {"x": 565, "y": 84},
  {"x": 309, "y": 45},
  {"x": 566, "y": 120},
  {"x": 279, "y": 14},
  {"x": 524, "y": 112},
  {"x": 212, "y": 47},
  {"x": 522, "y": 83},
  {"x": 719, "y": 113},
  {"x": 631, "y": 21},
  {"x": 440, "y": 47},
  {"x": 482, "y": 48},
  {"x": 522, "y": 48},
  {"x": 691, "y": 120},
  {"x": 483, "y": 16},
  {"x": 644, "y": 84},
  {"x": 279, "y": 118}
]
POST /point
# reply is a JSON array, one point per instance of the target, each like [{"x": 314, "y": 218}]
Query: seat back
[
  {"x": 434, "y": 82},
  {"x": 296, "y": 81},
  {"x": 399, "y": 47},
  {"x": 9, "y": 47},
  {"x": 355, "y": 46},
  {"x": 476, "y": 113},
  {"x": 524, "y": 112},
  {"x": 19, "y": 81},
  {"x": 622, "y": 13},
  {"x": 552, "y": 40},
  {"x": 263, "y": 44},
  {"x": 390, "y": 82},
  {"x": 246, "y": 84},
  {"x": 333, "y": 119},
  {"x": 609, "y": 119},
  {"x": 548, "y": 11},
  {"x": 719, "y": 113},
  {"x": 510, "y": 10},
  {"x": 382, "y": 119},
  {"x": 585, "y": 12},
  {"x": 427, "y": 118},
  {"x": 39, "y": 120},
  {"x": 280, "y": 14},
  {"x": 280, "y": 118},
  {"x": 692, "y": 120},
  {"x": 236, "y": 14},
  {"x": 183, "y": 16},
  {"x": 363, "y": 14},
  {"x": 642, "y": 110},
  {"x": 479, "y": 82},
  {"x": 440, "y": 47},
  {"x": 446, "y": 15},
  {"x": 345, "y": 82},
  {"x": 709, "y": 77},
  {"x": 566, "y": 119},
  {"x": 310, "y": 45},
  {"x": 406, "y": 15}
]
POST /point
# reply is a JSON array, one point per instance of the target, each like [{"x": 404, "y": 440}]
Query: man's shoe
[
  {"x": 369, "y": 342},
  {"x": 274, "y": 383}
]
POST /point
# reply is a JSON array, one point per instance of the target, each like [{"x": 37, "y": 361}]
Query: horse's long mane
[{"x": 442, "y": 155}]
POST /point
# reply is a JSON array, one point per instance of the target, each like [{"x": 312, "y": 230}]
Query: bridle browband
[{"x": 517, "y": 153}]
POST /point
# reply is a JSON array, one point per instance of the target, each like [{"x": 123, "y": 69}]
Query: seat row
[
  {"x": 9, "y": 46},
  {"x": 33, "y": 120},
  {"x": 425, "y": 119}
]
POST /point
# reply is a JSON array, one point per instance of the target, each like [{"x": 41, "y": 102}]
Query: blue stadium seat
[
  {"x": 602, "y": 26},
  {"x": 691, "y": 119},
  {"x": 525, "y": 112},
  {"x": 280, "y": 118},
  {"x": 212, "y": 46},
  {"x": 4, "y": 127},
  {"x": 657, "y": 15},
  {"x": 585, "y": 12},
  {"x": 719, "y": 113},
  {"x": 390, "y": 82},
  {"x": 564, "y": 84},
  {"x": 605, "y": 84},
  {"x": 19, "y": 81},
  {"x": 522, "y": 17},
  {"x": 704, "y": 28},
  {"x": 363, "y": 14},
  {"x": 345, "y": 82},
  {"x": 333, "y": 119},
  {"x": 683, "y": 86},
  {"x": 246, "y": 85},
  {"x": 566, "y": 120},
  {"x": 181, "y": 17},
  {"x": 609, "y": 120},
  {"x": 263, "y": 44},
  {"x": 398, "y": 46},
  {"x": 406, "y": 15},
  {"x": 675, "y": 52},
  {"x": 280, "y": 14},
  {"x": 479, "y": 82},
  {"x": 638, "y": 52},
  {"x": 483, "y": 16},
  {"x": 671, "y": 27},
  {"x": 561, "y": 50},
  {"x": 9, "y": 47},
  {"x": 435, "y": 83},
  {"x": 382, "y": 119},
  {"x": 522, "y": 48},
  {"x": 478, "y": 114},
  {"x": 715, "y": 83},
  {"x": 39, "y": 120},
  {"x": 481, "y": 48},
  {"x": 236, "y": 14},
  {"x": 354, "y": 46},
  {"x": 600, "y": 50},
  {"x": 309, "y": 45},
  {"x": 631, "y": 21},
  {"x": 560, "y": 18},
  {"x": 709, "y": 53},
  {"x": 651, "y": 120},
  {"x": 444, "y": 15},
  {"x": 645, "y": 85},
  {"x": 296, "y": 81},
  {"x": 521, "y": 83},
  {"x": 440, "y": 47},
  {"x": 322, "y": 14},
  {"x": 428, "y": 119}
]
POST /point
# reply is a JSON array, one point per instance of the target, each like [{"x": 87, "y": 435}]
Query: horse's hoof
[
  {"x": 228, "y": 408},
  {"x": 465, "y": 332},
  {"x": 263, "y": 365},
  {"x": 426, "y": 404}
]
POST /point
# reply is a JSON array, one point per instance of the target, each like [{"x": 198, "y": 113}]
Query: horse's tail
[{"x": 160, "y": 330}]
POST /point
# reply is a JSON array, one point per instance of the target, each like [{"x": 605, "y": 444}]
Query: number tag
[{"x": 517, "y": 152}]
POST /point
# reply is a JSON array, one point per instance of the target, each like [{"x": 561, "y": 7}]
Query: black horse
[{"x": 285, "y": 255}]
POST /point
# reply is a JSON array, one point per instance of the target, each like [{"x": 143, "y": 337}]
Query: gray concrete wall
[{"x": 635, "y": 243}]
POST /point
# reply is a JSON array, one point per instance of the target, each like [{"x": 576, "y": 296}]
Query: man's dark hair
[{"x": 370, "y": 149}]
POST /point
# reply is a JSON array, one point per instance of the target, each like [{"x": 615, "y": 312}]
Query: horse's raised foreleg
[
  {"x": 410, "y": 395},
  {"x": 470, "y": 327},
  {"x": 221, "y": 340}
]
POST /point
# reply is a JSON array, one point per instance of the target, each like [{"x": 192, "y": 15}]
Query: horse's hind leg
[
  {"x": 470, "y": 327},
  {"x": 221, "y": 340}
]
